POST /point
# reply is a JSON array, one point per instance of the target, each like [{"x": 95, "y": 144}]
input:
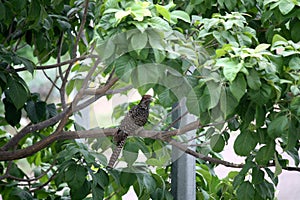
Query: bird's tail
[{"x": 115, "y": 154}]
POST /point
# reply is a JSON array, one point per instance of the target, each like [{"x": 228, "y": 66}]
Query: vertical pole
[{"x": 183, "y": 175}]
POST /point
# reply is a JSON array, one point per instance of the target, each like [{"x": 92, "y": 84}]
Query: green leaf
[
  {"x": 51, "y": 109},
  {"x": 214, "y": 93},
  {"x": 140, "y": 10},
  {"x": 146, "y": 74},
  {"x": 149, "y": 183},
  {"x": 16, "y": 93},
  {"x": 294, "y": 63},
  {"x": 272, "y": 177},
  {"x": 238, "y": 87},
  {"x": 257, "y": 175},
  {"x": 101, "y": 177},
  {"x": 265, "y": 154},
  {"x": 29, "y": 65},
  {"x": 34, "y": 11},
  {"x": 159, "y": 55},
  {"x": 36, "y": 111},
  {"x": 278, "y": 126},
  {"x": 106, "y": 49},
  {"x": 2, "y": 10},
  {"x": 278, "y": 168},
  {"x": 154, "y": 162},
  {"x": 295, "y": 90},
  {"x": 293, "y": 137},
  {"x": 230, "y": 68},
  {"x": 244, "y": 143},
  {"x": 253, "y": 80},
  {"x": 192, "y": 102},
  {"x": 217, "y": 143},
  {"x": 159, "y": 23},
  {"x": 163, "y": 11},
  {"x": 278, "y": 38},
  {"x": 179, "y": 14},
  {"x": 262, "y": 96},
  {"x": 295, "y": 33},
  {"x": 97, "y": 192},
  {"x": 140, "y": 183},
  {"x": 228, "y": 102},
  {"x": 63, "y": 25},
  {"x": 75, "y": 176},
  {"x": 130, "y": 152},
  {"x": 120, "y": 14},
  {"x": 12, "y": 115},
  {"x": 127, "y": 179},
  {"x": 294, "y": 154},
  {"x": 70, "y": 86},
  {"x": 124, "y": 66},
  {"x": 233, "y": 124},
  {"x": 265, "y": 190},
  {"x": 245, "y": 191},
  {"x": 204, "y": 100},
  {"x": 155, "y": 40},
  {"x": 166, "y": 98},
  {"x": 19, "y": 194},
  {"x": 295, "y": 106},
  {"x": 80, "y": 192},
  {"x": 260, "y": 115},
  {"x": 139, "y": 41},
  {"x": 286, "y": 6},
  {"x": 261, "y": 47}
]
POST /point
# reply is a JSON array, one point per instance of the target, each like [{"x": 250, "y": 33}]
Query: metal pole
[{"x": 183, "y": 174}]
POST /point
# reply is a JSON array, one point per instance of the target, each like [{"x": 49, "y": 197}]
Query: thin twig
[
  {"x": 203, "y": 157},
  {"x": 60, "y": 42},
  {"x": 52, "y": 82},
  {"x": 44, "y": 184},
  {"x": 100, "y": 93},
  {"x": 52, "y": 87},
  {"x": 176, "y": 120},
  {"x": 68, "y": 70},
  {"x": 43, "y": 67},
  {"x": 168, "y": 114}
]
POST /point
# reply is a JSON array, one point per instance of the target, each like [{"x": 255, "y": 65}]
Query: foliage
[{"x": 236, "y": 63}]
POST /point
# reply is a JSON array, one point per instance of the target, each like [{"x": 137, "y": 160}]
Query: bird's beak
[{"x": 150, "y": 100}]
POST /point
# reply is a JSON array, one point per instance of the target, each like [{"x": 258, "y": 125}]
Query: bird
[{"x": 136, "y": 118}]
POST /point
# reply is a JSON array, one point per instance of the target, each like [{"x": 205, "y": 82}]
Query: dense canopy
[{"x": 234, "y": 63}]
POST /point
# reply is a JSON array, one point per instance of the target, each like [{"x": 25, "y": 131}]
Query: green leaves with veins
[
  {"x": 244, "y": 143},
  {"x": 217, "y": 143},
  {"x": 235, "y": 62},
  {"x": 230, "y": 68},
  {"x": 278, "y": 126},
  {"x": 16, "y": 91},
  {"x": 265, "y": 154},
  {"x": 238, "y": 87}
]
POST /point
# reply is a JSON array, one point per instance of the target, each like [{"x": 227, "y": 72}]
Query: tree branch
[
  {"x": 32, "y": 128},
  {"x": 74, "y": 51},
  {"x": 43, "y": 67},
  {"x": 35, "y": 127},
  {"x": 98, "y": 133},
  {"x": 22, "y": 153}
]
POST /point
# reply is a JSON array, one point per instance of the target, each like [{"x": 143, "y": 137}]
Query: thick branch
[
  {"x": 32, "y": 128},
  {"x": 23, "y": 153},
  {"x": 98, "y": 133},
  {"x": 35, "y": 127}
]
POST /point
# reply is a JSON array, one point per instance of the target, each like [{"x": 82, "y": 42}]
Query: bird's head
[{"x": 146, "y": 100}]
